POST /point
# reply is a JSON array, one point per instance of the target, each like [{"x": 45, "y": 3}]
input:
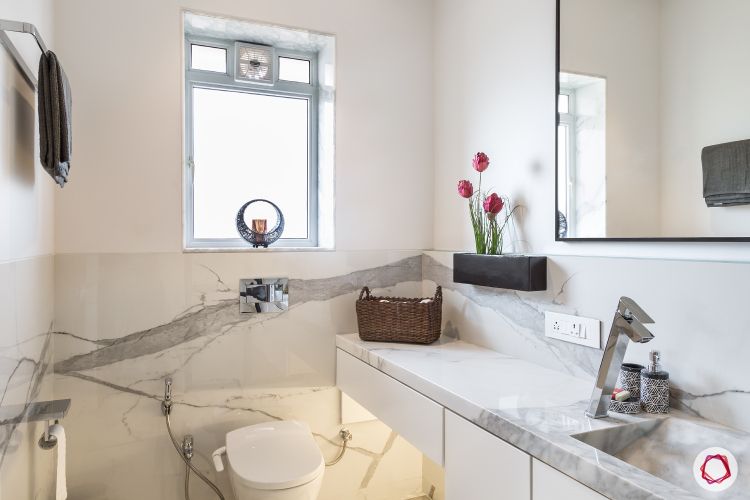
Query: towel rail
[{"x": 21, "y": 27}]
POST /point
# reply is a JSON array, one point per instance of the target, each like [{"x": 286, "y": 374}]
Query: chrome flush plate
[{"x": 264, "y": 295}]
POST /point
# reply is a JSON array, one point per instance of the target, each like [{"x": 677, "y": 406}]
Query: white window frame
[
  {"x": 568, "y": 120},
  {"x": 226, "y": 81}
]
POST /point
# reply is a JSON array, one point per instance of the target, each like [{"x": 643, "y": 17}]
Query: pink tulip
[
  {"x": 493, "y": 204},
  {"x": 480, "y": 162},
  {"x": 465, "y": 189}
]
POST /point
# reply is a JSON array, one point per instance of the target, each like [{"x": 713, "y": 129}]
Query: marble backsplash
[
  {"x": 26, "y": 341},
  {"x": 699, "y": 327},
  {"x": 125, "y": 322}
]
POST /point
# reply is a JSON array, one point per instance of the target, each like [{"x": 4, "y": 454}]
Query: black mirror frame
[{"x": 557, "y": 121}]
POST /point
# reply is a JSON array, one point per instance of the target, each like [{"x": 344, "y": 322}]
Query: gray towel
[
  {"x": 726, "y": 174},
  {"x": 54, "y": 118}
]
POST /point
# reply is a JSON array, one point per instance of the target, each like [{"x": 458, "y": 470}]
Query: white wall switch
[{"x": 574, "y": 329}]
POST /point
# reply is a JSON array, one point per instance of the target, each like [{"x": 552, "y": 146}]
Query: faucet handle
[{"x": 629, "y": 309}]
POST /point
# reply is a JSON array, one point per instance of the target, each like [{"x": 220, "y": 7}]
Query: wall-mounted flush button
[{"x": 264, "y": 295}]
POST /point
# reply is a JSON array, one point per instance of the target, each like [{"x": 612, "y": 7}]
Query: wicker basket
[{"x": 396, "y": 319}]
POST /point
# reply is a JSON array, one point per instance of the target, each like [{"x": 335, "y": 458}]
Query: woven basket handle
[
  {"x": 364, "y": 291},
  {"x": 439, "y": 293}
]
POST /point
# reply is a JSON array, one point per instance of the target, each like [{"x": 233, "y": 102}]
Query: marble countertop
[{"x": 537, "y": 410}]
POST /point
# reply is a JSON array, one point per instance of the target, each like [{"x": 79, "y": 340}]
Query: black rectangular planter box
[{"x": 514, "y": 272}]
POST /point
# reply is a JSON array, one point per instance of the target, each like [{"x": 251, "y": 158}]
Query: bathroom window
[{"x": 251, "y": 130}]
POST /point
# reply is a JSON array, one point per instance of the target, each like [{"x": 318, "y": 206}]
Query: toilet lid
[{"x": 274, "y": 455}]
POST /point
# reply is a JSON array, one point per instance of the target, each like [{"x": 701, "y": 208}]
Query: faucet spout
[
  {"x": 627, "y": 325},
  {"x": 632, "y": 328}
]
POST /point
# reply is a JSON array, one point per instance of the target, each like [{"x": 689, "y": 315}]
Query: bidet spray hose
[{"x": 189, "y": 465}]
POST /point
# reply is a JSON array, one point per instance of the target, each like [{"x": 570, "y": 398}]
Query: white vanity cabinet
[
  {"x": 551, "y": 484},
  {"x": 480, "y": 466},
  {"x": 415, "y": 417}
]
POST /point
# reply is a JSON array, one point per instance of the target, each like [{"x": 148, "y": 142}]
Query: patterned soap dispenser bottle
[{"x": 654, "y": 386}]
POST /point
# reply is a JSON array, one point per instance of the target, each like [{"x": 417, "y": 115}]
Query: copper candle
[{"x": 259, "y": 226}]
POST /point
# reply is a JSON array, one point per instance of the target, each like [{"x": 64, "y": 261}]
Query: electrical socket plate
[{"x": 573, "y": 329}]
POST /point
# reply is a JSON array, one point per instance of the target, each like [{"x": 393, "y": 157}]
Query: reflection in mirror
[
  {"x": 581, "y": 153},
  {"x": 645, "y": 86}
]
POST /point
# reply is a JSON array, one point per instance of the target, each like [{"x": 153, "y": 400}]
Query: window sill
[{"x": 258, "y": 250}]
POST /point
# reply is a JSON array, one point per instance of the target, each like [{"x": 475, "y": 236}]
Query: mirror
[{"x": 653, "y": 121}]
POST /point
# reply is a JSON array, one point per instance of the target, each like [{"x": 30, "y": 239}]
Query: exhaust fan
[{"x": 254, "y": 63}]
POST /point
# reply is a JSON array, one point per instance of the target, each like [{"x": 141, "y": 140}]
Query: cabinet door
[
  {"x": 480, "y": 466},
  {"x": 551, "y": 484},
  {"x": 416, "y": 418}
]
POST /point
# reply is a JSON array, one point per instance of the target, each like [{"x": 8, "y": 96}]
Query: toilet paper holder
[
  {"x": 48, "y": 441},
  {"x": 37, "y": 412},
  {"x": 47, "y": 411}
]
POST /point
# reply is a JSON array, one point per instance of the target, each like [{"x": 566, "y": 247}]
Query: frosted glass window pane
[
  {"x": 294, "y": 70},
  {"x": 208, "y": 58},
  {"x": 248, "y": 146},
  {"x": 563, "y": 104}
]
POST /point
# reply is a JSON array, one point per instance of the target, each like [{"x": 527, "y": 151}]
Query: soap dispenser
[{"x": 654, "y": 386}]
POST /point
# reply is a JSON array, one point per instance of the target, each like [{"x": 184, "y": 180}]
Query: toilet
[{"x": 274, "y": 461}]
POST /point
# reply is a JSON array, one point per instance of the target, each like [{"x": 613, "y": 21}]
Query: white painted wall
[
  {"x": 123, "y": 60},
  {"x": 494, "y": 92},
  {"x": 26, "y": 262},
  {"x": 704, "y": 101},
  {"x": 26, "y": 191}
]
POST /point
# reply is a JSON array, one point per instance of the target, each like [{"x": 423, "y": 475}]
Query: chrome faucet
[{"x": 627, "y": 325}]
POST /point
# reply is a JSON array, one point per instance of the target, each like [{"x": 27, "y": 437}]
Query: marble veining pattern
[
  {"x": 118, "y": 333},
  {"x": 691, "y": 329},
  {"x": 539, "y": 411},
  {"x": 523, "y": 313},
  {"x": 26, "y": 356},
  {"x": 31, "y": 371},
  {"x": 210, "y": 320},
  {"x": 229, "y": 370}
]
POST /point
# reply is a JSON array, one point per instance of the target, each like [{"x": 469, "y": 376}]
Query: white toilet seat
[{"x": 274, "y": 455}]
